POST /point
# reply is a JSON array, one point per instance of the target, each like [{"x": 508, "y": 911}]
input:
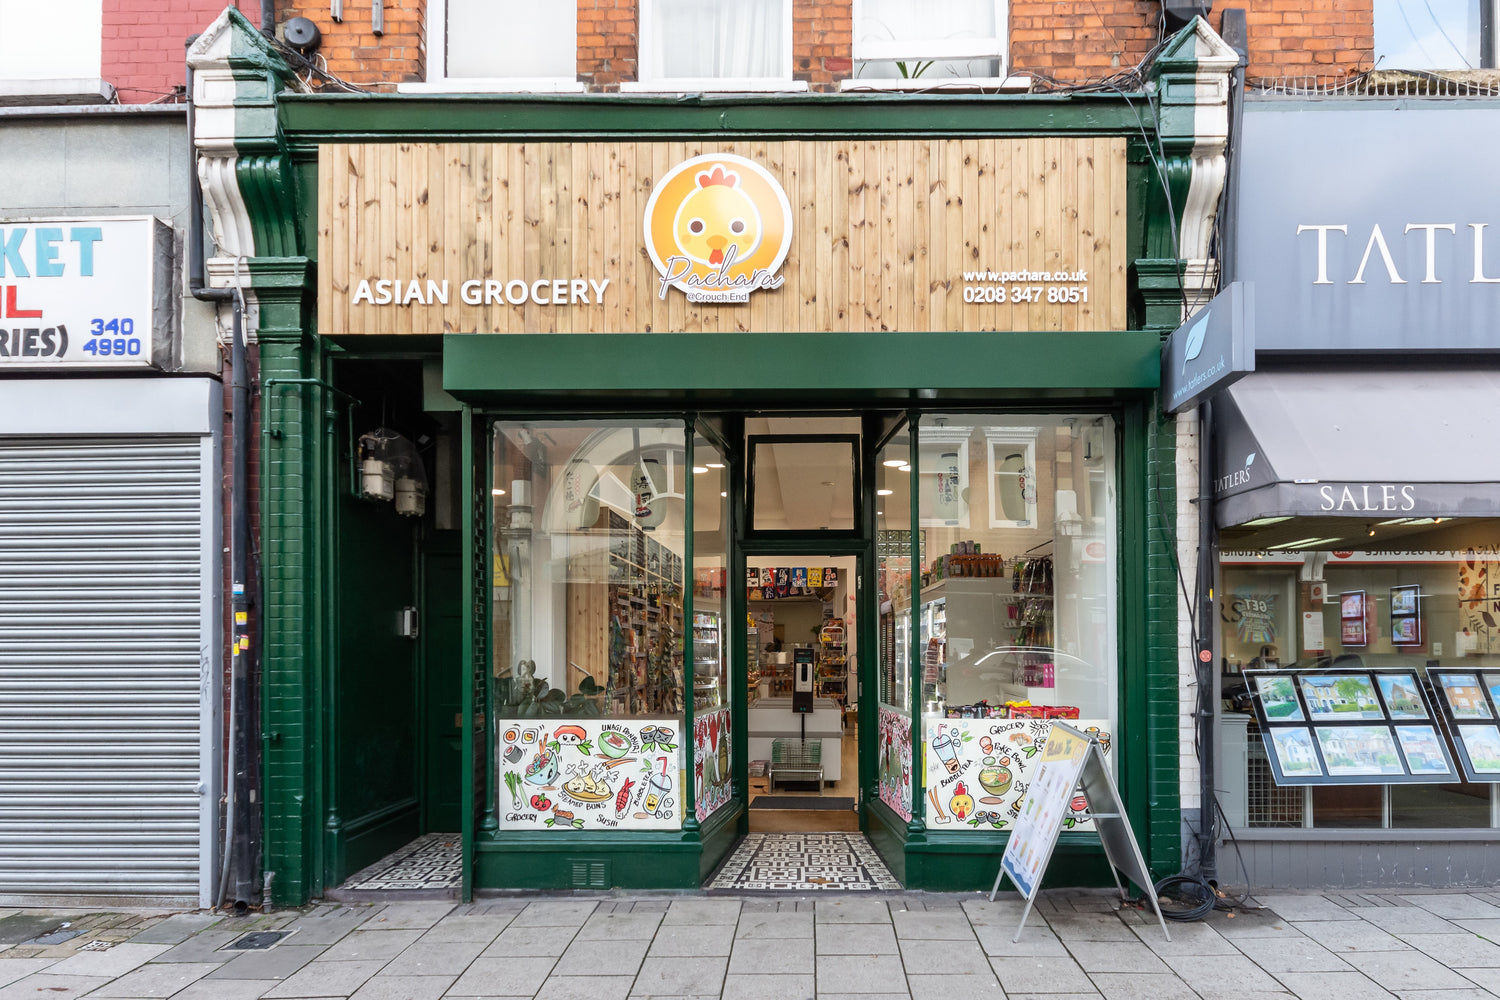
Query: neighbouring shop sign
[
  {"x": 85, "y": 293},
  {"x": 1362, "y": 230},
  {"x": 1212, "y": 350},
  {"x": 920, "y": 235}
]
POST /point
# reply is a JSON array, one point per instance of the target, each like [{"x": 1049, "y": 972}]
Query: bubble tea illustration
[{"x": 945, "y": 744}]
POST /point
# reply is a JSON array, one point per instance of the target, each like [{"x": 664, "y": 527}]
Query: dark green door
[{"x": 442, "y": 681}]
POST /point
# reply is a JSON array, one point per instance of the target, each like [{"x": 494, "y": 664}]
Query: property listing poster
[
  {"x": 590, "y": 774},
  {"x": 978, "y": 770}
]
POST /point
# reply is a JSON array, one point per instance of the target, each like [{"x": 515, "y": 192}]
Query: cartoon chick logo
[{"x": 718, "y": 227}]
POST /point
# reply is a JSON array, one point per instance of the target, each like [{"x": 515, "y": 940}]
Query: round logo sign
[{"x": 718, "y": 227}]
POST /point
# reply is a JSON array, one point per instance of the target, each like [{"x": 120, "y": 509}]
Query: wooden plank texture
[{"x": 892, "y": 234}]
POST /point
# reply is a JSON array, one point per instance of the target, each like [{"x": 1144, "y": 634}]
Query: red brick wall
[
  {"x": 608, "y": 46},
  {"x": 1305, "y": 37},
  {"x": 356, "y": 54},
  {"x": 144, "y": 43},
  {"x": 1076, "y": 42},
  {"x": 822, "y": 42}
]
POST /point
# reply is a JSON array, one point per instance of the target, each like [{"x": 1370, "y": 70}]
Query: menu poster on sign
[{"x": 1044, "y": 807}]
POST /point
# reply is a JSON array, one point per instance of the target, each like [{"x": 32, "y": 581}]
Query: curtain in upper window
[{"x": 716, "y": 39}]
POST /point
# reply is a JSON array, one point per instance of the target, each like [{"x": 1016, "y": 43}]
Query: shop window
[
  {"x": 803, "y": 482},
  {"x": 71, "y": 54},
  {"x": 501, "y": 45},
  {"x": 589, "y": 620},
  {"x": 1435, "y": 34},
  {"x": 715, "y": 45},
  {"x": 898, "y": 43},
  {"x": 713, "y": 757},
  {"x": 1414, "y": 605},
  {"x": 1016, "y": 614},
  {"x": 893, "y": 576}
]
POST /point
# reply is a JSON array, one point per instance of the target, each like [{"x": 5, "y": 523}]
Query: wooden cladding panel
[{"x": 882, "y": 233}]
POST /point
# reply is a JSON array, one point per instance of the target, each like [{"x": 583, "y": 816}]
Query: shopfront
[
  {"x": 669, "y": 376},
  {"x": 1357, "y": 507}
]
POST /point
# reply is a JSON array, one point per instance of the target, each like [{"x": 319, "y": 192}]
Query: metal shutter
[{"x": 101, "y": 606}]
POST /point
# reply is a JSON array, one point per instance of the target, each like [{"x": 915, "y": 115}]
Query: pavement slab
[
  {"x": 368, "y": 945},
  {"x": 1138, "y": 986},
  {"x": 680, "y": 977},
  {"x": 176, "y": 929},
  {"x": 155, "y": 980},
  {"x": 1041, "y": 975},
  {"x": 602, "y": 958},
  {"x": 695, "y": 941},
  {"x": 774, "y": 924},
  {"x": 110, "y": 962},
  {"x": 1408, "y": 970},
  {"x": 1305, "y": 906},
  {"x": 785, "y": 986},
  {"x": 853, "y": 911},
  {"x": 789, "y": 956},
  {"x": 404, "y": 916},
  {"x": 922, "y": 958},
  {"x": 1459, "y": 950},
  {"x": 278, "y": 963},
  {"x": 949, "y": 986},
  {"x": 532, "y": 942},
  {"x": 1291, "y": 954},
  {"x": 1351, "y": 935},
  {"x": 384, "y": 987},
  {"x": 326, "y": 979},
  {"x": 435, "y": 958},
  {"x": 620, "y": 926},
  {"x": 586, "y": 988},
  {"x": 483, "y": 928},
  {"x": 932, "y": 925},
  {"x": 12, "y": 969},
  {"x": 1333, "y": 986},
  {"x": 703, "y": 911},
  {"x": 859, "y": 974},
  {"x": 503, "y": 977},
  {"x": 1222, "y": 973},
  {"x": 1455, "y": 905},
  {"x": 856, "y": 939}
]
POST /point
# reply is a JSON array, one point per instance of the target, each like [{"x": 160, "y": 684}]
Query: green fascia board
[
  {"x": 314, "y": 118},
  {"x": 478, "y": 367}
]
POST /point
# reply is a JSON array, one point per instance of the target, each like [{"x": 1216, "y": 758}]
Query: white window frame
[
  {"x": 78, "y": 73},
  {"x": 921, "y": 50},
  {"x": 998, "y": 439},
  {"x": 438, "y": 82},
  {"x": 644, "y": 84}
]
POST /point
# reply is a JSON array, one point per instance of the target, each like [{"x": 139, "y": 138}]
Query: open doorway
[{"x": 803, "y": 716}]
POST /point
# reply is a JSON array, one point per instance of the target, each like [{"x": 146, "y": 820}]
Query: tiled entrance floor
[
  {"x": 432, "y": 861},
  {"x": 804, "y": 862}
]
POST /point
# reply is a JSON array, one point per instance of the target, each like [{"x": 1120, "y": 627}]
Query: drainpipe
[
  {"x": 241, "y": 842},
  {"x": 268, "y": 18}
]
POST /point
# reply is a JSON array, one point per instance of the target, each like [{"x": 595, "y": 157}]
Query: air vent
[{"x": 590, "y": 873}]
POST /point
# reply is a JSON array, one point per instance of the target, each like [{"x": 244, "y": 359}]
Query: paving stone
[
  {"x": 784, "y": 956},
  {"x": 932, "y": 926},
  {"x": 326, "y": 979},
  {"x": 1332, "y": 986},
  {"x": 680, "y": 977},
  {"x": 1187, "y": 939},
  {"x": 502, "y": 977},
  {"x": 1041, "y": 975},
  {"x": 404, "y": 916},
  {"x": 12, "y": 969},
  {"x": 1455, "y": 905},
  {"x": 769, "y": 987},
  {"x": 278, "y": 963},
  {"x": 201, "y": 947},
  {"x": 330, "y": 927},
  {"x": 1291, "y": 954},
  {"x": 19, "y": 927},
  {"x": 1001, "y": 913},
  {"x": 1056, "y": 996},
  {"x": 1137, "y": 986},
  {"x": 855, "y": 939},
  {"x": 619, "y": 926},
  {"x": 688, "y": 941},
  {"x": 1408, "y": 970},
  {"x": 1253, "y": 923},
  {"x": 155, "y": 980},
  {"x": 226, "y": 989},
  {"x": 864, "y": 996},
  {"x": 602, "y": 958},
  {"x": 109, "y": 963},
  {"x": 1351, "y": 935},
  {"x": 383, "y": 987},
  {"x": 1304, "y": 906},
  {"x": 369, "y": 945},
  {"x": 532, "y": 942},
  {"x": 435, "y": 958},
  {"x": 1485, "y": 928},
  {"x": 703, "y": 911},
  {"x": 1404, "y": 920},
  {"x": 1221, "y": 972},
  {"x": 483, "y": 928},
  {"x": 859, "y": 973},
  {"x": 1487, "y": 978},
  {"x": 981, "y": 986},
  {"x": 774, "y": 924},
  {"x": 924, "y": 958},
  {"x": 853, "y": 911},
  {"x": 1035, "y": 941},
  {"x": 1116, "y": 956},
  {"x": 1091, "y": 927},
  {"x": 1467, "y": 951},
  {"x": 176, "y": 928},
  {"x": 586, "y": 988},
  {"x": 1474, "y": 994},
  {"x": 52, "y": 987},
  {"x": 1228, "y": 991},
  {"x": 556, "y": 913}
]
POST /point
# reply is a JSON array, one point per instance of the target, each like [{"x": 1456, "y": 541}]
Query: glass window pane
[
  {"x": 1358, "y": 806},
  {"x": 1427, "y": 34},
  {"x": 1017, "y": 616},
  {"x": 511, "y": 39},
  {"x": 704, "y": 39},
  {"x": 711, "y": 692},
  {"x": 588, "y": 623},
  {"x": 893, "y": 575},
  {"x": 802, "y": 485}
]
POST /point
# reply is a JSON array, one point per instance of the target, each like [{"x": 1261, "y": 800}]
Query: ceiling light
[
  {"x": 884, "y": 493},
  {"x": 1370, "y": 530},
  {"x": 497, "y": 492},
  {"x": 699, "y": 470},
  {"x": 1261, "y": 522},
  {"x": 723, "y": 493},
  {"x": 903, "y": 468},
  {"x": 715, "y": 465},
  {"x": 1305, "y": 543},
  {"x": 894, "y": 463}
]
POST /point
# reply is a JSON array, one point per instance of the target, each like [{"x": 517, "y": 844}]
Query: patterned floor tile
[
  {"x": 781, "y": 862},
  {"x": 432, "y": 861}
]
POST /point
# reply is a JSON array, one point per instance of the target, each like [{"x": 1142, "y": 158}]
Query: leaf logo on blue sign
[{"x": 1195, "y": 339}]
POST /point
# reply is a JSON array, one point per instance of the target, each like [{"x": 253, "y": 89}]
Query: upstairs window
[
  {"x": 1435, "y": 34},
  {"x": 501, "y": 45},
  {"x": 899, "y": 43},
  {"x": 51, "y": 51},
  {"x": 715, "y": 45}
]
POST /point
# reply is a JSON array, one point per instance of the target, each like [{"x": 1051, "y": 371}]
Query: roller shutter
[{"x": 102, "y": 547}]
